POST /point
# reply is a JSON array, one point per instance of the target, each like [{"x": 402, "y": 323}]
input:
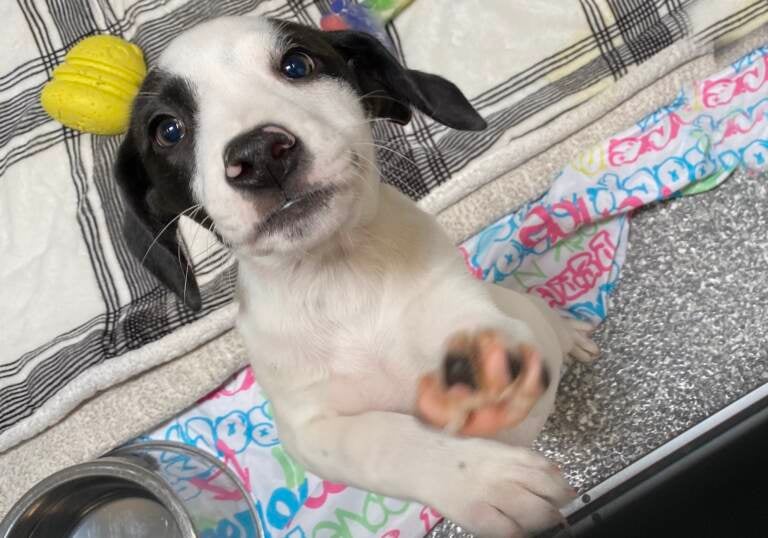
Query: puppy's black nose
[{"x": 261, "y": 158}]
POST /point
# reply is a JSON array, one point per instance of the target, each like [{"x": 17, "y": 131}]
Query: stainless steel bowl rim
[
  {"x": 196, "y": 452},
  {"x": 104, "y": 467},
  {"x": 116, "y": 464}
]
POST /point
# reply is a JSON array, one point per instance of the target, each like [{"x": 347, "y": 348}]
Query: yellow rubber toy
[{"x": 93, "y": 90}]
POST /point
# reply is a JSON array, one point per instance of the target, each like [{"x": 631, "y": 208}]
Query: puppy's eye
[
  {"x": 168, "y": 131},
  {"x": 296, "y": 64}
]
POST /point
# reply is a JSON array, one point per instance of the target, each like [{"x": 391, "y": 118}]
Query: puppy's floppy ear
[
  {"x": 389, "y": 88},
  {"x": 150, "y": 232}
]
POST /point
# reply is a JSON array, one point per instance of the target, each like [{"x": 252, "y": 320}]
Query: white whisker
[
  {"x": 382, "y": 146},
  {"x": 157, "y": 237}
]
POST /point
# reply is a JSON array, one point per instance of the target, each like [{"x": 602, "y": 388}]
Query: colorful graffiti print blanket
[
  {"x": 235, "y": 423},
  {"x": 568, "y": 247}
]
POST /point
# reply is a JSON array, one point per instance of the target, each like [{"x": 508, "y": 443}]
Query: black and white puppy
[{"x": 363, "y": 325}]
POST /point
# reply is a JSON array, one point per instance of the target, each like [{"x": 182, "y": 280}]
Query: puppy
[{"x": 372, "y": 340}]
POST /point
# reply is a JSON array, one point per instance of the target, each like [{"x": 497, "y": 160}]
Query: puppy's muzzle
[{"x": 262, "y": 158}]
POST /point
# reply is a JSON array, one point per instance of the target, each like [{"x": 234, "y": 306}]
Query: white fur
[{"x": 342, "y": 321}]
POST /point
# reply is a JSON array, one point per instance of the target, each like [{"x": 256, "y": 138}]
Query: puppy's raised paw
[{"x": 484, "y": 385}]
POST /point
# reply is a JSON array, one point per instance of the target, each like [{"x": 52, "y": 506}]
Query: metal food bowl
[{"x": 142, "y": 490}]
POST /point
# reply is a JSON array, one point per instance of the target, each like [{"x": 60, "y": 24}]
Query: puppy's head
[{"x": 262, "y": 129}]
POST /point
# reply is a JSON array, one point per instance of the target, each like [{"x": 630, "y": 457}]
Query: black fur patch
[
  {"x": 156, "y": 182},
  {"x": 388, "y": 89},
  {"x": 169, "y": 170}
]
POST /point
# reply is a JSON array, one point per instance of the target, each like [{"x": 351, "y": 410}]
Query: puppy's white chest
[
  {"x": 373, "y": 370},
  {"x": 340, "y": 349}
]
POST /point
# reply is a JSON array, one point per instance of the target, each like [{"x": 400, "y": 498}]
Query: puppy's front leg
[{"x": 491, "y": 488}]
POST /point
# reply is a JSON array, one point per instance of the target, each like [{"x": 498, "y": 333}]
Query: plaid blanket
[{"x": 79, "y": 314}]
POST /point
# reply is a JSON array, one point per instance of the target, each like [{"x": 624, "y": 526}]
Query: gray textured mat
[{"x": 686, "y": 333}]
